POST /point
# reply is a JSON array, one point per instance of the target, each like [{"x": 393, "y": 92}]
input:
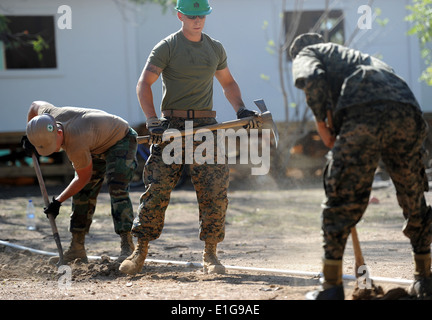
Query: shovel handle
[
  {"x": 46, "y": 201},
  {"x": 358, "y": 255},
  {"x": 40, "y": 180}
]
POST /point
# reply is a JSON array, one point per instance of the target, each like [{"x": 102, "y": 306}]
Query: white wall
[
  {"x": 101, "y": 57},
  {"x": 240, "y": 31},
  {"x": 240, "y": 28},
  {"x": 391, "y": 42},
  {"x": 94, "y": 64}
]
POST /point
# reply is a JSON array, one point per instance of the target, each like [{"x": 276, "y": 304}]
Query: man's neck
[{"x": 192, "y": 36}]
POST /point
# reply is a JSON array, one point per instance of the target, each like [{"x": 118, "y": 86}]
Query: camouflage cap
[
  {"x": 304, "y": 40},
  {"x": 42, "y": 133}
]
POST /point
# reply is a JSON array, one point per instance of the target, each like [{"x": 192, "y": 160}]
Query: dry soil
[{"x": 272, "y": 249}]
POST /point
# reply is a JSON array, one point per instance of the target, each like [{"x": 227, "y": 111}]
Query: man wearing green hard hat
[
  {"x": 188, "y": 60},
  {"x": 194, "y": 7}
]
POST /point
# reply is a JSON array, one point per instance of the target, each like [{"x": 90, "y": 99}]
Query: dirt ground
[{"x": 272, "y": 248}]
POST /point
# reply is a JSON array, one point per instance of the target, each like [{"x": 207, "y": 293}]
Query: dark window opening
[
  {"x": 330, "y": 26},
  {"x": 29, "y": 42}
]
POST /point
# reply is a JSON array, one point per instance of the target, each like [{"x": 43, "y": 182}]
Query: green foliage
[
  {"x": 421, "y": 17},
  {"x": 381, "y": 22},
  {"x": 4, "y": 29},
  {"x": 3, "y": 24},
  {"x": 39, "y": 45},
  {"x": 24, "y": 38},
  {"x": 265, "y": 77}
]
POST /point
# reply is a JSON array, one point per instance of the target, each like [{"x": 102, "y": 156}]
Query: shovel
[{"x": 50, "y": 216}]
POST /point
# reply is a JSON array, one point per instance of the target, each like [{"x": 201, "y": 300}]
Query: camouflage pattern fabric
[
  {"x": 118, "y": 165},
  {"x": 210, "y": 182},
  {"x": 304, "y": 40},
  {"x": 337, "y": 77},
  {"x": 393, "y": 132}
]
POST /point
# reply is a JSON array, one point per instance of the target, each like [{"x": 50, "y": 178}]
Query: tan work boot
[
  {"x": 211, "y": 263},
  {"x": 332, "y": 287},
  {"x": 126, "y": 246},
  {"x": 76, "y": 249},
  {"x": 134, "y": 263},
  {"x": 422, "y": 285}
]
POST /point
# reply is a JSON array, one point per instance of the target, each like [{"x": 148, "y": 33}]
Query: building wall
[
  {"x": 94, "y": 63},
  {"x": 101, "y": 57},
  {"x": 246, "y": 43}
]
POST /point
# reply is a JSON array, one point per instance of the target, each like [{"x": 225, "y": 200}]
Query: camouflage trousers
[
  {"x": 394, "y": 133},
  {"x": 117, "y": 164},
  {"x": 210, "y": 182}
]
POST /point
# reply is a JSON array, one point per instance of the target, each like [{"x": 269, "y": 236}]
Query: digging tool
[
  {"x": 50, "y": 216},
  {"x": 265, "y": 115},
  {"x": 369, "y": 290},
  {"x": 358, "y": 255},
  {"x": 263, "y": 108}
]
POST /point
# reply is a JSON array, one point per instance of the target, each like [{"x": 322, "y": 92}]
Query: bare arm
[
  {"x": 325, "y": 133},
  {"x": 83, "y": 175},
  {"x": 78, "y": 182},
  {"x": 230, "y": 88},
  {"x": 33, "y": 110},
  {"x": 148, "y": 76}
]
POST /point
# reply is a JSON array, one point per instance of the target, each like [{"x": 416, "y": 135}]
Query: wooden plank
[
  {"x": 11, "y": 138},
  {"x": 47, "y": 170}
]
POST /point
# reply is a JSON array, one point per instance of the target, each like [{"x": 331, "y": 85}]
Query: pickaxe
[
  {"x": 50, "y": 216},
  {"x": 265, "y": 115}
]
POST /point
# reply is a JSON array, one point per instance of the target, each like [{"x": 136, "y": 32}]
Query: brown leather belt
[{"x": 189, "y": 114}]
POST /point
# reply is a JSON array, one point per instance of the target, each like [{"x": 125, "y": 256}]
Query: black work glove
[
  {"x": 253, "y": 123},
  {"x": 29, "y": 149},
  {"x": 154, "y": 125},
  {"x": 53, "y": 208}
]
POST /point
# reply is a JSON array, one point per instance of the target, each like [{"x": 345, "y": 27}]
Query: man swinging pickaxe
[{"x": 265, "y": 115}]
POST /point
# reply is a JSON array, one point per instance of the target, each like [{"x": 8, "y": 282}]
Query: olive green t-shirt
[
  {"x": 188, "y": 70},
  {"x": 86, "y": 131}
]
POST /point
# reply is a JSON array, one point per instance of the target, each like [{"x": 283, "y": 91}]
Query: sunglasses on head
[{"x": 194, "y": 17}]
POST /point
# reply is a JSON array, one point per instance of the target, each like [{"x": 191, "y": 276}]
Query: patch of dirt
[{"x": 272, "y": 249}]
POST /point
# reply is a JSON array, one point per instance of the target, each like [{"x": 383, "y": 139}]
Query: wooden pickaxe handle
[
  {"x": 46, "y": 201},
  {"x": 266, "y": 116},
  {"x": 358, "y": 255}
]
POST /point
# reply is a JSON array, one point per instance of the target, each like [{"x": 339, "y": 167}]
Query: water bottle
[{"x": 31, "y": 223}]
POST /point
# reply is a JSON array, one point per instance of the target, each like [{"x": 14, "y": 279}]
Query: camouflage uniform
[
  {"x": 118, "y": 164},
  {"x": 210, "y": 183},
  {"x": 375, "y": 116},
  {"x": 365, "y": 136}
]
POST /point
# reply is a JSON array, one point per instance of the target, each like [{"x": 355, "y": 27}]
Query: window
[
  {"x": 28, "y": 42},
  {"x": 330, "y": 26}
]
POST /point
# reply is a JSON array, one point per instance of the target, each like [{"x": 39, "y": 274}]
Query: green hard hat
[{"x": 193, "y": 7}]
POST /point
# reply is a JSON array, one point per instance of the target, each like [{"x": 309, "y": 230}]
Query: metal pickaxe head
[{"x": 263, "y": 108}]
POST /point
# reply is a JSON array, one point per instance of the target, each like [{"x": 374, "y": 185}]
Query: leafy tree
[{"x": 421, "y": 17}]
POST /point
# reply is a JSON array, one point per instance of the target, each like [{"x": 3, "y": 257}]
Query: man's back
[
  {"x": 353, "y": 78},
  {"x": 87, "y": 131}
]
